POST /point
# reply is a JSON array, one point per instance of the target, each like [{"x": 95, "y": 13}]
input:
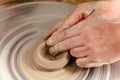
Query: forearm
[{"x": 118, "y": 1}]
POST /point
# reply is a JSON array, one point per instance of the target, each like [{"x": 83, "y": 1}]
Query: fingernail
[
  {"x": 52, "y": 51},
  {"x": 50, "y": 42}
]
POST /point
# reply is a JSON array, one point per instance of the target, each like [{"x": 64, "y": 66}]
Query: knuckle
[
  {"x": 65, "y": 34},
  {"x": 90, "y": 46},
  {"x": 58, "y": 38},
  {"x": 59, "y": 47},
  {"x": 90, "y": 37},
  {"x": 67, "y": 43},
  {"x": 62, "y": 46},
  {"x": 62, "y": 36},
  {"x": 55, "y": 39}
]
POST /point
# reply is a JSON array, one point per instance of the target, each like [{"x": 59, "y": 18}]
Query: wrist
[{"x": 114, "y": 1}]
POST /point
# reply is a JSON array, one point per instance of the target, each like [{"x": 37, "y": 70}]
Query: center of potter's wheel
[{"x": 43, "y": 59}]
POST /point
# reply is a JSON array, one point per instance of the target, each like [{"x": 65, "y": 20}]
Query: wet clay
[
  {"x": 42, "y": 58},
  {"x": 37, "y": 64}
]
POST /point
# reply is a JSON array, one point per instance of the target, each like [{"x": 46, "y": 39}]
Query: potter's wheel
[{"x": 22, "y": 29}]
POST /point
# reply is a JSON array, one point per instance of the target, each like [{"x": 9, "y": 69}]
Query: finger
[
  {"x": 82, "y": 62},
  {"x": 87, "y": 62},
  {"x": 67, "y": 44},
  {"x": 72, "y": 19},
  {"x": 65, "y": 34},
  {"x": 55, "y": 28},
  {"x": 81, "y": 12},
  {"x": 80, "y": 52}
]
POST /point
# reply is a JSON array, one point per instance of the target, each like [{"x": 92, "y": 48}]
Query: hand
[
  {"x": 93, "y": 36},
  {"x": 94, "y": 11}
]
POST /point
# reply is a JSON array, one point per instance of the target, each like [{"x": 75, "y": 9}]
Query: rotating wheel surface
[{"x": 22, "y": 29}]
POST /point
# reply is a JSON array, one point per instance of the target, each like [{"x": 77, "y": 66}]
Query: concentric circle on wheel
[{"x": 22, "y": 30}]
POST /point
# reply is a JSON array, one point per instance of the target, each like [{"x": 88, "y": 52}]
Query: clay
[
  {"x": 36, "y": 64},
  {"x": 23, "y": 50},
  {"x": 44, "y": 59}
]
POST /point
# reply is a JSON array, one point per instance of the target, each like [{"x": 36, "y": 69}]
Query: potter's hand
[{"x": 93, "y": 36}]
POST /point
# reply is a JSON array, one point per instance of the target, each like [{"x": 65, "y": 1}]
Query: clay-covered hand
[{"x": 93, "y": 35}]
